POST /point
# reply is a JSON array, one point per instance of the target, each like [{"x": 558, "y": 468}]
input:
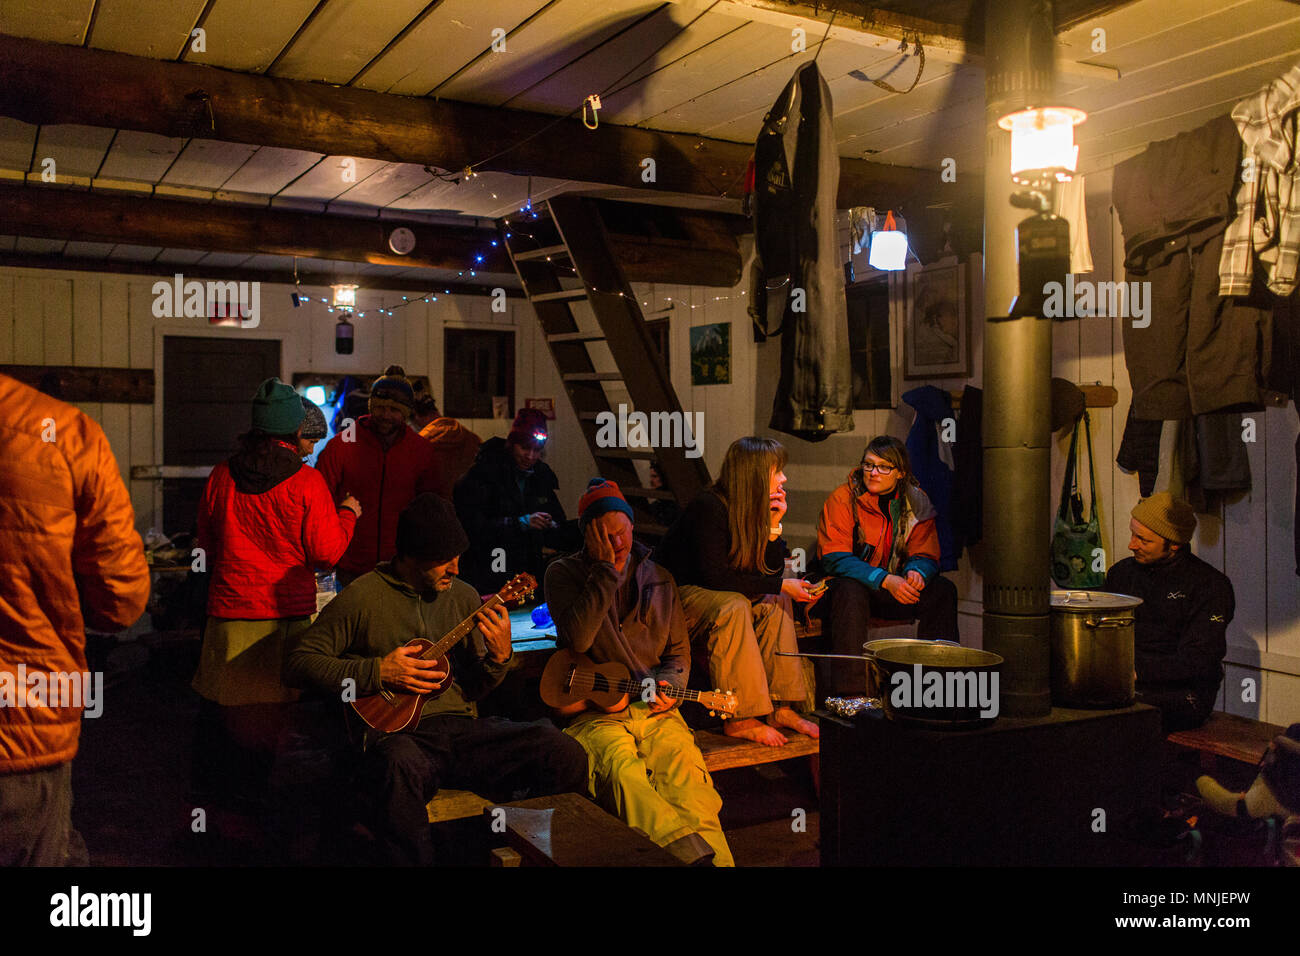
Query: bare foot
[
  {"x": 753, "y": 729},
  {"x": 785, "y": 717}
]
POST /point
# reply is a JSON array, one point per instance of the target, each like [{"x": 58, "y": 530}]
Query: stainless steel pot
[
  {"x": 1092, "y": 649},
  {"x": 875, "y": 681}
]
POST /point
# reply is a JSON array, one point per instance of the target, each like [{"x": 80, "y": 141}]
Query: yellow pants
[{"x": 646, "y": 770}]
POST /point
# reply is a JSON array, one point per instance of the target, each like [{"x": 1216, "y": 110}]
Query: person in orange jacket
[
  {"x": 877, "y": 537},
  {"x": 456, "y": 448},
  {"x": 72, "y": 558}
]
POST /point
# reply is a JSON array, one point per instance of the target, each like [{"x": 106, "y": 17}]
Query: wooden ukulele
[
  {"x": 393, "y": 710},
  {"x": 571, "y": 683}
]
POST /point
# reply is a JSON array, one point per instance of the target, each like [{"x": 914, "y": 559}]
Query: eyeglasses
[{"x": 878, "y": 469}]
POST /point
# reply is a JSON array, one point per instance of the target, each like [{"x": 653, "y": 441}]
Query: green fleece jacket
[{"x": 377, "y": 613}]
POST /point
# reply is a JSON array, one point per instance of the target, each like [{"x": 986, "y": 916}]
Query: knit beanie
[
  {"x": 313, "y": 421},
  {"x": 428, "y": 530},
  {"x": 601, "y": 496},
  {"x": 394, "y": 389},
  {"x": 528, "y": 428},
  {"x": 1170, "y": 517},
  {"x": 277, "y": 409}
]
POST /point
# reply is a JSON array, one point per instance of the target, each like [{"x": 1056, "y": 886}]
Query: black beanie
[{"x": 428, "y": 530}]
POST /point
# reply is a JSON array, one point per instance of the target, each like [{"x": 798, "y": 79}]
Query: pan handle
[
  {"x": 843, "y": 657},
  {"x": 1099, "y": 623}
]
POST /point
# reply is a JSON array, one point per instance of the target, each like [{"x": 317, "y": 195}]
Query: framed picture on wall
[
  {"x": 711, "y": 354},
  {"x": 936, "y": 330}
]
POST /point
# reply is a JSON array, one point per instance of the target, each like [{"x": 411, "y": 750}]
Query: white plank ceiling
[{"x": 693, "y": 66}]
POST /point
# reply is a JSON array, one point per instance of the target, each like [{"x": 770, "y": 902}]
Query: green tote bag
[{"x": 1076, "y": 542}]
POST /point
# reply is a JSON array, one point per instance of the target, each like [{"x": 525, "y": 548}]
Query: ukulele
[
  {"x": 571, "y": 683},
  {"x": 393, "y": 710}
]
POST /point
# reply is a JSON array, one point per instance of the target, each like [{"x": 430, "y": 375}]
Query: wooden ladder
[{"x": 562, "y": 257}]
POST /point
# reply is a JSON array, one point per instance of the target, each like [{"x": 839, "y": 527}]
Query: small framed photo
[
  {"x": 936, "y": 332},
  {"x": 711, "y": 354}
]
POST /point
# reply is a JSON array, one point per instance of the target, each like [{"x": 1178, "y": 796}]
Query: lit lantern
[
  {"x": 1042, "y": 144},
  {"x": 345, "y": 296},
  {"x": 888, "y": 246}
]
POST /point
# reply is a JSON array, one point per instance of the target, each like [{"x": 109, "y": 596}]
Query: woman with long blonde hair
[{"x": 728, "y": 557}]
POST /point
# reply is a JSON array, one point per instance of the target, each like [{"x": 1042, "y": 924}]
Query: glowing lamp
[
  {"x": 888, "y": 247},
  {"x": 1042, "y": 144},
  {"x": 345, "y": 296}
]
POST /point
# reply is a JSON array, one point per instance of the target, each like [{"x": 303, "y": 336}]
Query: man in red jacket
[
  {"x": 71, "y": 557},
  {"x": 385, "y": 465}
]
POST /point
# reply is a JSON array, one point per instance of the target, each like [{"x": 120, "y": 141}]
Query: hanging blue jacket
[{"x": 933, "y": 406}]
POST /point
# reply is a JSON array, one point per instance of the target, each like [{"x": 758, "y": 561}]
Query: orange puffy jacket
[
  {"x": 69, "y": 556},
  {"x": 456, "y": 447}
]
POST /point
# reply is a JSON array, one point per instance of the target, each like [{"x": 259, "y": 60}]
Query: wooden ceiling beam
[
  {"x": 307, "y": 279},
  {"x": 709, "y": 257},
  {"x": 52, "y": 83},
  {"x": 52, "y": 213}
]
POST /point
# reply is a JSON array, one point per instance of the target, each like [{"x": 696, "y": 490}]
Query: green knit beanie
[{"x": 277, "y": 410}]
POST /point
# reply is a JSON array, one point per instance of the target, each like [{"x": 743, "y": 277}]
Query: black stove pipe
[{"x": 1019, "y": 73}]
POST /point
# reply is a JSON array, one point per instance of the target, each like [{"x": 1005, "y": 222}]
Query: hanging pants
[
  {"x": 647, "y": 771},
  {"x": 742, "y": 638}
]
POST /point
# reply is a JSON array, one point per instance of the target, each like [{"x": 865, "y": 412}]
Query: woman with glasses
[
  {"x": 877, "y": 537},
  {"x": 728, "y": 557}
]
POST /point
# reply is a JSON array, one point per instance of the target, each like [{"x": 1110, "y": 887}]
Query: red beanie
[{"x": 528, "y": 428}]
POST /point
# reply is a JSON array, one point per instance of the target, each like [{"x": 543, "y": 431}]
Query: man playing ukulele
[
  {"x": 612, "y": 603},
  {"x": 360, "y": 637}
]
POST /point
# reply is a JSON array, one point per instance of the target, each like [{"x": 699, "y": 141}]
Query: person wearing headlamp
[{"x": 508, "y": 504}]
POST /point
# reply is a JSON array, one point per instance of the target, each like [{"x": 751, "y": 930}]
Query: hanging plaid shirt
[{"x": 1268, "y": 200}]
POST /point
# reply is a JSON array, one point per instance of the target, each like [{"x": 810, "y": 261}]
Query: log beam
[
  {"x": 51, "y": 213},
  {"x": 710, "y": 257},
  {"x": 52, "y": 83},
  {"x": 307, "y": 280}
]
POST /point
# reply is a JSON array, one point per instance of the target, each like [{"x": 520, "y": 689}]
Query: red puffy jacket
[
  {"x": 262, "y": 548},
  {"x": 383, "y": 480},
  {"x": 68, "y": 548}
]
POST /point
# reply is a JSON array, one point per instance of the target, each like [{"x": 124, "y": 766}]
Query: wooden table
[{"x": 569, "y": 830}]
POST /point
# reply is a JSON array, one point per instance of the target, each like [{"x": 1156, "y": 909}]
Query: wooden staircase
[{"x": 562, "y": 258}]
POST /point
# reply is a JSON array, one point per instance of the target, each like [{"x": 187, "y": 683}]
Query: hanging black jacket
[{"x": 798, "y": 282}]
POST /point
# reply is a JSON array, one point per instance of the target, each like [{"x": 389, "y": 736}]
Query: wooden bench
[
  {"x": 720, "y": 753},
  {"x": 1229, "y": 736},
  {"x": 569, "y": 830},
  {"x": 726, "y": 753}
]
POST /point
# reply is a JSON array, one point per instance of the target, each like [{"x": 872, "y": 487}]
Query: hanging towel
[{"x": 1068, "y": 203}]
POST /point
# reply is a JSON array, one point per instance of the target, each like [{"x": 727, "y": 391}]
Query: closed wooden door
[{"x": 208, "y": 386}]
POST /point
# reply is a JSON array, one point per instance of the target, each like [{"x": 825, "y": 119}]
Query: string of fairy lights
[{"x": 526, "y": 214}]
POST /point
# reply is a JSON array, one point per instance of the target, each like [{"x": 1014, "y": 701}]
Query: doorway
[{"x": 208, "y": 386}]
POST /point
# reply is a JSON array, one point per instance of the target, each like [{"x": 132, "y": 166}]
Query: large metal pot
[
  {"x": 875, "y": 680},
  {"x": 1092, "y": 649},
  {"x": 966, "y": 680}
]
